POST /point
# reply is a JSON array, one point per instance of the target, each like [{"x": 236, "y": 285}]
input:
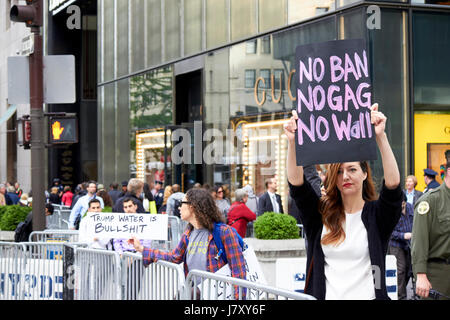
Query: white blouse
[{"x": 348, "y": 271}]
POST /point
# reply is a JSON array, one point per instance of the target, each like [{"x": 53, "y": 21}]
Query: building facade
[
  {"x": 197, "y": 90},
  {"x": 15, "y": 162}
]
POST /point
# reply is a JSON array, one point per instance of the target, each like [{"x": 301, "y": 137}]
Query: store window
[
  {"x": 265, "y": 45},
  {"x": 250, "y": 76},
  {"x": 150, "y": 98},
  {"x": 250, "y": 46}
]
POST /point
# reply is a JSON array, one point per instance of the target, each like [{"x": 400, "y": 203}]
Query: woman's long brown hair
[
  {"x": 331, "y": 207},
  {"x": 205, "y": 208}
]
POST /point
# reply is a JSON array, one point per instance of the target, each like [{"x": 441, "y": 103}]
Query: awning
[{"x": 8, "y": 114}]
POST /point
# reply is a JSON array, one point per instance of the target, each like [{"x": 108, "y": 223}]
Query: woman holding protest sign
[
  {"x": 197, "y": 248},
  {"x": 348, "y": 228}
]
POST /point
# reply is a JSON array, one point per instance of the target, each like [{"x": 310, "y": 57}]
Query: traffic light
[
  {"x": 63, "y": 130},
  {"x": 31, "y": 14}
]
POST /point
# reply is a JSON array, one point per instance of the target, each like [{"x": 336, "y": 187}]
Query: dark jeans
[{"x": 404, "y": 269}]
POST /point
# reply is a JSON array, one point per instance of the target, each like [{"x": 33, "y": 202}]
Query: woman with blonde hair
[
  {"x": 347, "y": 229},
  {"x": 167, "y": 193}
]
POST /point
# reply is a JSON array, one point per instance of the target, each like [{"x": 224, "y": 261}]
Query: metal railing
[
  {"x": 54, "y": 235},
  {"x": 97, "y": 275},
  {"x": 59, "y": 219},
  {"x": 31, "y": 271},
  {"x": 203, "y": 285},
  {"x": 161, "y": 280},
  {"x": 45, "y": 271},
  {"x": 12, "y": 268}
]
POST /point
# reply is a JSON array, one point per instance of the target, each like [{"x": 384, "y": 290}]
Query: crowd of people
[{"x": 349, "y": 227}]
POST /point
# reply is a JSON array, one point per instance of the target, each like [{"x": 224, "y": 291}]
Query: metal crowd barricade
[
  {"x": 12, "y": 269},
  {"x": 31, "y": 271},
  {"x": 54, "y": 235},
  {"x": 98, "y": 275},
  {"x": 58, "y": 220},
  {"x": 161, "y": 280},
  {"x": 203, "y": 285}
]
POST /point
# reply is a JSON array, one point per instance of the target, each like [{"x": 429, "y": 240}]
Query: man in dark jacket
[
  {"x": 270, "y": 201},
  {"x": 134, "y": 189}
]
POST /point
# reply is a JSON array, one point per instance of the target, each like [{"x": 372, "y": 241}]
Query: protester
[
  {"x": 270, "y": 201},
  {"x": 134, "y": 275},
  {"x": 431, "y": 241},
  {"x": 343, "y": 224},
  {"x": 222, "y": 203},
  {"x": 410, "y": 190},
  {"x": 82, "y": 205},
  {"x": 2, "y": 200},
  {"x": 67, "y": 197},
  {"x": 239, "y": 214},
  {"x": 121, "y": 245},
  {"x": 197, "y": 248},
  {"x": 400, "y": 247},
  {"x": 134, "y": 189},
  {"x": 94, "y": 243}
]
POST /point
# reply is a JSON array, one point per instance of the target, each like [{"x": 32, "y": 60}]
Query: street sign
[
  {"x": 27, "y": 45},
  {"x": 59, "y": 79}
]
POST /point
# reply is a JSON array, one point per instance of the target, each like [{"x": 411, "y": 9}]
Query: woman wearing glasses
[{"x": 197, "y": 248}]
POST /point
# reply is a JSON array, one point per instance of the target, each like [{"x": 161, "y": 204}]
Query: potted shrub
[
  {"x": 277, "y": 236},
  {"x": 273, "y": 225},
  {"x": 12, "y": 215}
]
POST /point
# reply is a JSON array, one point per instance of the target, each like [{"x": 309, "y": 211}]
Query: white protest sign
[
  {"x": 253, "y": 271},
  {"x": 124, "y": 225}
]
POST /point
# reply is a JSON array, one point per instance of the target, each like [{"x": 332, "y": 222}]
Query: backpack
[
  {"x": 218, "y": 240},
  {"x": 22, "y": 232},
  {"x": 176, "y": 208}
]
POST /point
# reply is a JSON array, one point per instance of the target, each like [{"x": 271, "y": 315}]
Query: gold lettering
[
  {"x": 289, "y": 85},
  {"x": 272, "y": 80},
  {"x": 260, "y": 103}
]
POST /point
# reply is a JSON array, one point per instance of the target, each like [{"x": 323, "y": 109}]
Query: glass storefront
[{"x": 219, "y": 121}]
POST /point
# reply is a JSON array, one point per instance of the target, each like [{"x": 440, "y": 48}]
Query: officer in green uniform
[{"x": 431, "y": 240}]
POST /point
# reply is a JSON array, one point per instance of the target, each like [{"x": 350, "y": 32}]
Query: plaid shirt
[
  {"x": 403, "y": 226},
  {"x": 233, "y": 252}
]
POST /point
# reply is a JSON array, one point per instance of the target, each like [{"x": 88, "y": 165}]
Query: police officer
[
  {"x": 431, "y": 240},
  {"x": 159, "y": 194},
  {"x": 430, "y": 179}
]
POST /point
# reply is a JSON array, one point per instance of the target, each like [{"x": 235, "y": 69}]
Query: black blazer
[{"x": 265, "y": 204}]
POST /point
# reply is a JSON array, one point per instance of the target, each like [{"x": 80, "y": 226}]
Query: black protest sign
[{"x": 334, "y": 97}]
